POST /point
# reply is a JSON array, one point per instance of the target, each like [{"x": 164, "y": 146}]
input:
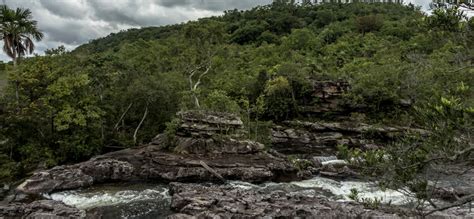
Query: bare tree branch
[
  {"x": 140, "y": 124},
  {"x": 123, "y": 116}
]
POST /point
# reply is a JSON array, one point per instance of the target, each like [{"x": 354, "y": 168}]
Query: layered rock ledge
[
  {"x": 321, "y": 138},
  {"x": 206, "y": 148}
]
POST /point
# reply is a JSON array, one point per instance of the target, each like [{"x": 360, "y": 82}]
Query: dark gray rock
[
  {"x": 327, "y": 97},
  {"x": 40, "y": 210},
  {"x": 218, "y": 201},
  {"x": 322, "y": 138},
  {"x": 149, "y": 164}
]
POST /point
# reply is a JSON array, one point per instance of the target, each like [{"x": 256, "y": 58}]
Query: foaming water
[
  {"x": 342, "y": 189},
  {"x": 333, "y": 189},
  {"x": 106, "y": 196},
  {"x": 119, "y": 201}
]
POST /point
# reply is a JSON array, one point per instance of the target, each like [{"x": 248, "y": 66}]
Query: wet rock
[
  {"x": 40, "y": 209},
  {"x": 451, "y": 182}
]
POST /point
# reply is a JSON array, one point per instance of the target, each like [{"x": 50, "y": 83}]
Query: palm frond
[{"x": 18, "y": 30}]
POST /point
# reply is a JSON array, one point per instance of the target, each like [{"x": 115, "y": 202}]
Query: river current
[{"x": 153, "y": 200}]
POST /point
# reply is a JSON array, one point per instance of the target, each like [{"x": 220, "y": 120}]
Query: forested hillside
[{"x": 121, "y": 90}]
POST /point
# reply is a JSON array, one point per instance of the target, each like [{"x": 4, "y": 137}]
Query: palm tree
[{"x": 18, "y": 30}]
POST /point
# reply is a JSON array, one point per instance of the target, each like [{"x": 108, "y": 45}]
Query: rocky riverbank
[
  {"x": 214, "y": 201},
  {"x": 202, "y": 154}
]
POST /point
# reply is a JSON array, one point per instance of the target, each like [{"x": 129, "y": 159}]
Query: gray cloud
[{"x": 74, "y": 9}]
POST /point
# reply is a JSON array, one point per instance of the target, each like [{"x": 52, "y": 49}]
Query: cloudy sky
[{"x": 74, "y": 22}]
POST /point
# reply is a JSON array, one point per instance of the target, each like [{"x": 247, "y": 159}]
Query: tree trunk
[
  {"x": 214, "y": 172},
  {"x": 17, "y": 83},
  {"x": 139, "y": 125},
  {"x": 196, "y": 100},
  {"x": 123, "y": 116}
]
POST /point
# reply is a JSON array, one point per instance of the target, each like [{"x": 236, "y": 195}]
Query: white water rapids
[
  {"x": 93, "y": 199},
  {"x": 340, "y": 190}
]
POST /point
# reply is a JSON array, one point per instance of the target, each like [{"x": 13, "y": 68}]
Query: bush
[
  {"x": 369, "y": 23},
  {"x": 279, "y": 104},
  {"x": 219, "y": 101},
  {"x": 447, "y": 19}
]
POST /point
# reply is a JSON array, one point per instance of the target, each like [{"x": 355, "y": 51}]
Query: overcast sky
[{"x": 74, "y": 22}]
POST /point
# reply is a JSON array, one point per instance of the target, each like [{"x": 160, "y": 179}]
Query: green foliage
[
  {"x": 18, "y": 30},
  {"x": 3, "y": 79},
  {"x": 8, "y": 168},
  {"x": 279, "y": 103},
  {"x": 409, "y": 162},
  {"x": 450, "y": 19},
  {"x": 74, "y": 104},
  {"x": 261, "y": 131},
  {"x": 250, "y": 32},
  {"x": 170, "y": 132},
  {"x": 219, "y": 101},
  {"x": 369, "y": 23},
  {"x": 343, "y": 152},
  {"x": 300, "y": 164}
]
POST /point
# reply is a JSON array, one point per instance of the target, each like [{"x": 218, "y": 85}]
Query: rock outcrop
[
  {"x": 327, "y": 98},
  {"x": 322, "y": 138},
  {"x": 199, "y": 139},
  {"x": 217, "y": 201},
  {"x": 40, "y": 210}
]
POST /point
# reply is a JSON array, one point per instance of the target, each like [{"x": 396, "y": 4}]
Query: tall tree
[{"x": 18, "y": 30}]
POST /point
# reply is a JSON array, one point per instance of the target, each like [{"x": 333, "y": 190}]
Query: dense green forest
[
  {"x": 257, "y": 63},
  {"x": 3, "y": 78}
]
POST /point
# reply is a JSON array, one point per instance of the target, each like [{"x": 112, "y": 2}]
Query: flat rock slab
[{"x": 149, "y": 163}]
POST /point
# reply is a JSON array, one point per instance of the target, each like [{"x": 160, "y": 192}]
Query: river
[{"x": 153, "y": 200}]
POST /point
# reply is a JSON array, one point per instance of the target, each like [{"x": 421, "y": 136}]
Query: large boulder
[
  {"x": 149, "y": 164},
  {"x": 202, "y": 153}
]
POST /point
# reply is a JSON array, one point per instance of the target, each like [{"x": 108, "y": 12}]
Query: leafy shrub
[
  {"x": 449, "y": 19},
  {"x": 369, "y": 23},
  {"x": 279, "y": 103},
  {"x": 299, "y": 164},
  {"x": 219, "y": 101}
]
